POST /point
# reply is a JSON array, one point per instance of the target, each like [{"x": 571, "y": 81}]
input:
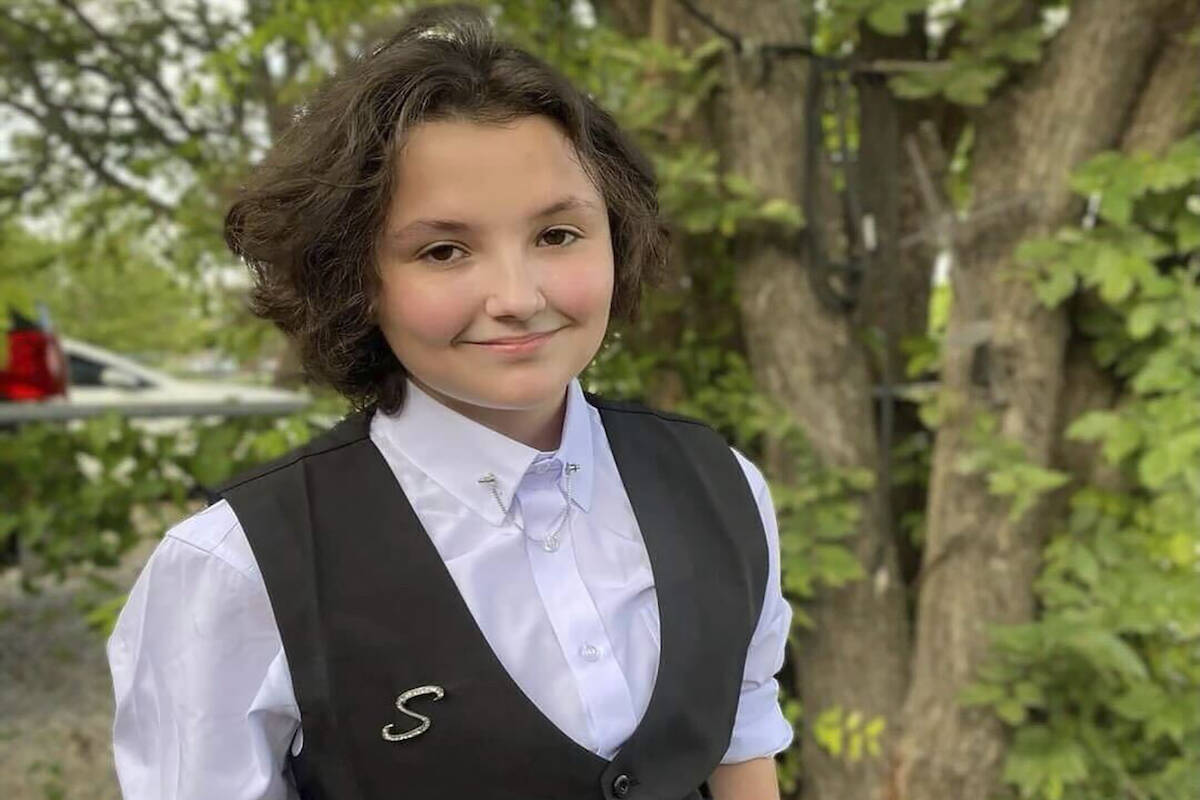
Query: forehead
[{"x": 460, "y": 167}]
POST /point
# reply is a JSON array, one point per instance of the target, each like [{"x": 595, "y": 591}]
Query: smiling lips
[{"x": 517, "y": 344}]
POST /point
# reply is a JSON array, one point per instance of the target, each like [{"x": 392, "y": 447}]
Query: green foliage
[
  {"x": 85, "y": 492},
  {"x": 818, "y": 513},
  {"x": 848, "y": 734},
  {"x": 1006, "y": 467},
  {"x": 1104, "y": 688},
  {"x": 110, "y": 289},
  {"x": 701, "y": 201},
  {"x": 990, "y": 39}
]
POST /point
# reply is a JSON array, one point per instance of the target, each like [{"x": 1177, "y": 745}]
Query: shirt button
[
  {"x": 621, "y": 786},
  {"x": 589, "y": 652}
]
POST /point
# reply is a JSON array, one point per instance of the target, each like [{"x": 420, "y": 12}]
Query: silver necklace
[{"x": 552, "y": 540}]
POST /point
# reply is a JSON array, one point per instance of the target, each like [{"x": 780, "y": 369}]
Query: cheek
[
  {"x": 411, "y": 312},
  {"x": 588, "y": 293}
]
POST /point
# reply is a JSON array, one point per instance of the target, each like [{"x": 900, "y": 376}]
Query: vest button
[{"x": 621, "y": 786}]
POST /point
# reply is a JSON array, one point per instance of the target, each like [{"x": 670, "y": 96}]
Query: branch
[
  {"x": 149, "y": 76},
  {"x": 25, "y": 57},
  {"x": 213, "y": 36},
  {"x": 35, "y": 175},
  {"x": 53, "y": 122},
  {"x": 187, "y": 37},
  {"x": 786, "y": 49},
  {"x": 129, "y": 91}
]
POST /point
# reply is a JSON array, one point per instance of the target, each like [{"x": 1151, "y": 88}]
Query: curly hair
[{"x": 308, "y": 220}]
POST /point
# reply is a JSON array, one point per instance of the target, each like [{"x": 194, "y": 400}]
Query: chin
[
  {"x": 524, "y": 395},
  {"x": 514, "y": 394}
]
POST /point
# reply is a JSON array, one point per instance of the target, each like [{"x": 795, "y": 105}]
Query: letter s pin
[{"x": 391, "y": 736}]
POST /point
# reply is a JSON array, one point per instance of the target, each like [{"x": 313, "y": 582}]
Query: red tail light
[{"x": 36, "y": 369}]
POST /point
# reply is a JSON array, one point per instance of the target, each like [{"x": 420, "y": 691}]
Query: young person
[{"x": 486, "y": 582}]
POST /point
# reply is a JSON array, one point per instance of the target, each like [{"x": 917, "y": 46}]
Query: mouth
[
  {"x": 518, "y": 344},
  {"x": 516, "y": 339}
]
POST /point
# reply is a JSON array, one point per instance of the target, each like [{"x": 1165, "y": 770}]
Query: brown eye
[
  {"x": 440, "y": 254},
  {"x": 554, "y": 237}
]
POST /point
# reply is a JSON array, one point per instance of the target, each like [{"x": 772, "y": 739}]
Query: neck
[{"x": 539, "y": 427}]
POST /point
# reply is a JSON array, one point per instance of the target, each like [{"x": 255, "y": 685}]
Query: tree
[
  {"x": 129, "y": 127},
  {"x": 1025, "y": 87}
]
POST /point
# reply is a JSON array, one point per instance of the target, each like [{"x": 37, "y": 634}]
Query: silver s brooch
[{"x": 390, "y": 735}]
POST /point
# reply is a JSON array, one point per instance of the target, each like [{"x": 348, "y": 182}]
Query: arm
[
  {"x": 747, "y": 780},
  {"x": 204, "y": 704},
  {"x": 760, "y": 730}
]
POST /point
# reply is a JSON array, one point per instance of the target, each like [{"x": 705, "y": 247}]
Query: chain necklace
[{"x": 553, "y": 540}]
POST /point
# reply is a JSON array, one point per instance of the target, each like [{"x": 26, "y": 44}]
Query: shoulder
[
  {"x": 201, "y": 581},
  {"x": 632, "y": 407},
  {"x": 754, "y": 476},
  {"x": 211, "y": 540},
  {"x": 352, "y": 429},
  {"x": 692, "y": 426},
  {"x": 638, "y": 419}
]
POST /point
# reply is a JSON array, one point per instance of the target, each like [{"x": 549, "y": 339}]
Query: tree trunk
[
  {"x": 1004, "y": 356},
  {"x": 811, "y": 360}
]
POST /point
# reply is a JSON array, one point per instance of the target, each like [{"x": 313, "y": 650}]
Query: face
[{"x": 494, "y": 232}]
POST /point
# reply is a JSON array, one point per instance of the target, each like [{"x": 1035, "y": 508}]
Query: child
[{"x": 485, "y": 583}]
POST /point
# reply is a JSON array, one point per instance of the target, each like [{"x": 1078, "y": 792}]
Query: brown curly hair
[{"x": 308, "y": 220}]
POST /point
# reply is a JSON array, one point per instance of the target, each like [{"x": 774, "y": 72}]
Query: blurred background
[{"x": 935, "y": 269}]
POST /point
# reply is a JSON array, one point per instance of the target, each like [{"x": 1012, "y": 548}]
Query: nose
[{"x": 515, "y": 289}]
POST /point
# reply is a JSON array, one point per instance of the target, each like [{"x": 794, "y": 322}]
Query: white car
[{"x": 101, "y": 381}]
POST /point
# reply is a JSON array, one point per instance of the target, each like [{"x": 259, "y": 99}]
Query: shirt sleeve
[
  {"x": 204, "y": 702},
  {"x": 760, "y": 728}
]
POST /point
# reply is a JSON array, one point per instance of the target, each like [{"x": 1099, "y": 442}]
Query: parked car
[{"x": 57, "y": 378}]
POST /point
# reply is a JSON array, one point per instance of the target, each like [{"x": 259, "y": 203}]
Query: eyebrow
[{"x": 570, "y": 203}]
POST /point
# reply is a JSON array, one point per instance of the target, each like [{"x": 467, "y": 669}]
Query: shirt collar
[{"x": 455, "y": 451}]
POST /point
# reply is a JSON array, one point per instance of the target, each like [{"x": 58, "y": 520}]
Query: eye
[
  {"x": 557, "y": 233},
  {"x": 440, "y": 254}
]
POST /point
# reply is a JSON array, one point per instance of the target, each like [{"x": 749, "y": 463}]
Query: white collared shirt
[{"x": 204, "y": 700}]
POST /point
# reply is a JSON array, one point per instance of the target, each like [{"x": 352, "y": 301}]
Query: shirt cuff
[{"x": 760, "y": 729}]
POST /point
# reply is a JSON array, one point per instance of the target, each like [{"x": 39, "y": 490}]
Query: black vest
[{"x": 367, "y": 610}]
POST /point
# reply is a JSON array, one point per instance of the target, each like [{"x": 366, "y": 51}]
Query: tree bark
[
  {"x": 895, "y": 292},
  {"x": 811, "y": 360},
  {"x": 1004, "y": 356}
]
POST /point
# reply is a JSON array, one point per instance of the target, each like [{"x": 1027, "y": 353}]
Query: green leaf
[
  {"x": 889, "y": 18},
  {"x": 1140, "y": 702},
  {"x": 1091, "y": 426},
  {"x": 1112, "y": 273},
  {"x": 1044, "y": 761},
  {"x": 827, "y": 730},
  {"x": 1165, "y": 371},
  {"x": 981, "y": 694},
  {"x": 779, "y": 210},
  {"x": 1057, "y": 284},
  {"x": 1187, "y": 233},
  {"x": 1116, "y": 207},
  {"x": 1011, "y": 711},
  {"x": 969, "y": 84},
  {"x": 1108, "y": 653},
  {"x": 1029, "y": 693},
  {"x": 1143, "y": 320},
  {"x": 918, "y": 85},
  {"x": 1084, "y": 565}
]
